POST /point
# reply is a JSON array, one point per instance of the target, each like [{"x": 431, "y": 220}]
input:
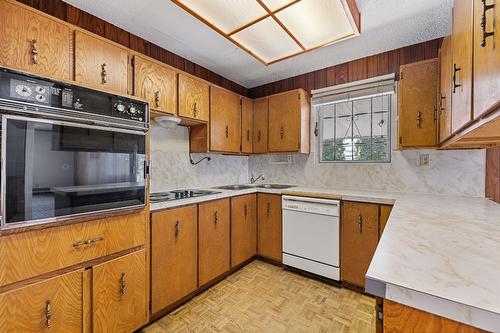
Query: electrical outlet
[{"x": 423, "y": 159}]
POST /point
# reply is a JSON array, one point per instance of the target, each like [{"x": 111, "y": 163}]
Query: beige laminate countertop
[{"x": 438, "y": 253}]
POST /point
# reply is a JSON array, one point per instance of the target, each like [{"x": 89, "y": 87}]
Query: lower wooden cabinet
[
  {"x": 269, "y": 238},
  {"x": 385, "y": 211},
  {"x": 53, "y": 305},
  {"x": 174, "y": 255},
  {"x": 119, "y": 294},
  {"x": 214, "y": 240},
  {"x": 243, "y": 228},
  {"x": 359, "y": 238}
]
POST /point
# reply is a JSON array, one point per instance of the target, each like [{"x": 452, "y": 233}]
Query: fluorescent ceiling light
[{"x": 274, "y": 30}]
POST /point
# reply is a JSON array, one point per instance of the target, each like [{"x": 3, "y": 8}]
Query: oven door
[{"x": 51, "y": 169}]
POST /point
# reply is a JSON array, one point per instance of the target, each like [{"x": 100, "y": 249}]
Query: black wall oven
[{"x": 68, "y": 150}]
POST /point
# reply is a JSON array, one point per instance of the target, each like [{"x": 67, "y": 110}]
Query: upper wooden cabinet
[
  {"x": 119, "y": 292},
  {"x": 214, "y": 240},
  {"x": 269, "y": 238},
  {"x": 360, "y": 233},
  {"x": 246, "y": 125},
  {"x": 445, "y": 72},
  {"x": 53, "y": 305},
  {"x": 194, "y": 97},
  {"x": 34, "y": 42},
  {"x": 417, "y": 104},
  {"x": 243, "y": 228},
  {"x": 288, "y": 124},
  {"x": 225, "y": 121},
  {"x": 174, "y": 248},
  {"x": 486, "y": 56},
  {"x": 155, "y": 83},
  {"x": 100, "y": 63},
  {"x": 260, "y": 121},
  {"x": 461, "y": 80}
]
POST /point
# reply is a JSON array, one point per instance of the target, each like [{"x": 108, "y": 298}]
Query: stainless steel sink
[
  {"x": 233, "y": 187},
  {"x": 275, "y": 186}
]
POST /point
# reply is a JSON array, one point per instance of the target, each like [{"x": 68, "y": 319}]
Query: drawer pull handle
[
  {"x": 157, "y": 99},
  {"x": 282, "y": 132},
  {"x": 177, "y": 229},
  {"x": 103, "y": 74},
  {"x": 123, "y": 284},
  {"x": 419, "y": 119},
  {"x": 455, "y": 70},
  {"x": 442, "y": 103},
  {"x": 486, "y": 34},
  {"x": 258, "y": 136},
  {"x": 227, "y": 131},
  {"x": 34, "y": 51},
  {"x": 268, "y": 209},
  {"x": 216, "y": 218},
  {"x": 246, "y": 211},
  {"x": 48, "y": 314},
  {"x": 195, "y": 111},
  {"x": 87, "y": 242},
  {"x": 360, "y": 223},
  {"x": 248, "y": 135}
]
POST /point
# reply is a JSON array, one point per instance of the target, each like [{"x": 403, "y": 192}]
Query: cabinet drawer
[
  {"x": 53, "y": 305},
  {"x": 36, "y": 252},
  {"x": 119, "y": 294}
]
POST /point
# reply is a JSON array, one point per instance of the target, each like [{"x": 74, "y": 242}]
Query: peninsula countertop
[{"x": 438, "y": 253}]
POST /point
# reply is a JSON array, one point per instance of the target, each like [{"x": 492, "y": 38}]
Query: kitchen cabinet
[
  {"x": 243, "y": 228},
  {"x": 194, "y": 98},
  {"x": 260, "y": 120},
  {"x": 119, "y": 294},
  {"x": 52, "y": 305},
  {"x": 486, "y": 56},
  {"x": 461, "y": 85},
  {"x": 246, "y": 125},
  {"x": 214, "y": 240},
  {"x": 417, "y": 104},
  {"x": 288, "y": 122},
  {"x": 174, "y": 255},
  {"x": 385, "y": 211},
  {"x": 100, "y": 63},
  {"x": 269, "y": 237},
  {"x": 34, "y": 42},
  {"x": 155, "y": 83},
  {"x": 445, "y": 76},
  {"x": 359, "y": 238},
  {"x": 225, "y": 121}
]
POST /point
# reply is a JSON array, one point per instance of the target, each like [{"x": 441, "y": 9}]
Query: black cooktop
[{"x": 178, "y": 194}]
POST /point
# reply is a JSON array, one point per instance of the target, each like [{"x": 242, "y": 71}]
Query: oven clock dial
[
  {"x": 23, "y": 90},
  {"x": 40, "y": 90},
  {"x": 40, "y": 98}
]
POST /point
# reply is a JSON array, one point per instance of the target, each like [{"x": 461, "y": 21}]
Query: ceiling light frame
[{"x": 349, "y": 6}]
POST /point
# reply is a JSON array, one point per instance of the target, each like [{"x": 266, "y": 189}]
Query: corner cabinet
[
  {"x": 417, "y": 111},
  {"x": 225, "y": 121},
  {"x": 269, "y": 228},
  {"x": 288, "y": 122}
]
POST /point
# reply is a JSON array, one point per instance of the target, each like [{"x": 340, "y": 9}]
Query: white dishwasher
[{"x": 311, "y": 235}]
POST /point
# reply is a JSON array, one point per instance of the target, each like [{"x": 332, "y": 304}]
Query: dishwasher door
[{"x": 311, "y": 235}]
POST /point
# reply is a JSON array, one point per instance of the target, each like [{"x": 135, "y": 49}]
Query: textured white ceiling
[{"x": 385, "y": 25}]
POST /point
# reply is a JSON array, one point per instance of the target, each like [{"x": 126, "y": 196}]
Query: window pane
[
  {"x": 362, "y": 130},
  {"x": 327, "y": 131},
  {"x": 343, "y": 131}
]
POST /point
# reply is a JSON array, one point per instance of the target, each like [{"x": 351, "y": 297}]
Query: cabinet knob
[
  {"x": 103, "y": 74},
  {"x": 483, "y": 23},
  {"x": 123, "y": 284},
  {"x": 48, "y": 314},
  {"x": 360, "y": 223},
  {"x": 34, "y": 51},
  {"x": 177, "y": 229}
]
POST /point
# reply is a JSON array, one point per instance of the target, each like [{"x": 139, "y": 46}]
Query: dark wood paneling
[
  {"x": 359, "y": 69},
  {"x": 493, "y": 174},
  {"x": 89, "y": 22}
]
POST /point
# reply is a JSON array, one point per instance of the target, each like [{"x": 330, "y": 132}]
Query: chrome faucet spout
[{"x": 253, "y": 180}]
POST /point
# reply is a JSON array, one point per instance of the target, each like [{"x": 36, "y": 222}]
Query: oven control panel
[{"x": 46, "y": 92}]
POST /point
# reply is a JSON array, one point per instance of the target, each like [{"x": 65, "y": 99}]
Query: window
[{"x": 354, "y": 123}]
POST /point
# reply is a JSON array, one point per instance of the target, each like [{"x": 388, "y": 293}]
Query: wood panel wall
[
  {"x": 493, "y": 174},
  {"x": 89, "y": 22},
  {"x": 359, "y": 69}
]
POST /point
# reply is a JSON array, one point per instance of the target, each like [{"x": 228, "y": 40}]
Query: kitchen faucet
[{"x": 253, "y": 180}]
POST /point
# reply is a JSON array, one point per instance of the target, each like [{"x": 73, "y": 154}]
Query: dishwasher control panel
[{"x": 311, "y": 205}]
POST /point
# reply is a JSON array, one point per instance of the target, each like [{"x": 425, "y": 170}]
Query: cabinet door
[
  {"x": 225, "y": 121},
  {"x": 214, "y": 243},
  {"x": 174, "y": 255},
  {"x": 260, "y": 121},
  {"x": 119, "y": 294},
  {"x": 359, "y": 240},
  {"x": 34, "y": 42},
  {"x": 157, "y": 84},
  {"x": 246, "y": 125},
  {"x": 417, "y": 104},
  {"x": 284, "y": 122},
  {"x": 385, "y": 212},
  {"x": 194, "y": 96},
  {"x": 53, "y": 305},
  {"x": 486, "y": 56},
  {"x": 461, "y": 85},
  {"x": 445, "y": 74},
  {"x": 269, "y": 238},
  {"x": 100, "y": 63},
  {"x": 243, "y": 228}
]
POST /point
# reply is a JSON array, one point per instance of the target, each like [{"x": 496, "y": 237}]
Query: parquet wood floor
[{"x": 262, "y": 298}]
